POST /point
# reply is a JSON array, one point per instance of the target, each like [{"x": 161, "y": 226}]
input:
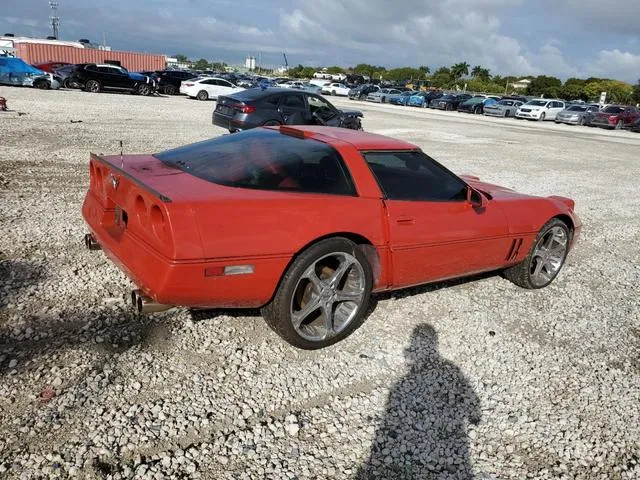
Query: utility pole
[{"x": 55, "y": 20}]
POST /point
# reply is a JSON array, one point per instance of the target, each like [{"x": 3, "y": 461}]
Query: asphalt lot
[{"x": 474, "y": 378}]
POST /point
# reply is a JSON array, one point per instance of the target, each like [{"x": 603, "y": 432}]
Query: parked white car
[
  {"x": 208, "y": 87},
  {"x": 540, "y": 109},
  {"x": 336, "y": 89}
]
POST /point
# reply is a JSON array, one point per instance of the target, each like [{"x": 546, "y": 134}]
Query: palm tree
[
  {"x": 459, "y": 69},
  {"x": 477, "y": 71}
]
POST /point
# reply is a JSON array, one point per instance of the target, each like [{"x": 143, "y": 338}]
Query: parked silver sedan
[
  {"x": 504, "y": 108},
  {"x": 381, "y": 96},
  {"x": 577, "y": 114}
]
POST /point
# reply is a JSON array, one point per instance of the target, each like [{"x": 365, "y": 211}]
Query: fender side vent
[{"x": 514, "y": 250}]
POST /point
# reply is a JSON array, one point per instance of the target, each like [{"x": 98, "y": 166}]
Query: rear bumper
[{"x": 183, "y": 282}]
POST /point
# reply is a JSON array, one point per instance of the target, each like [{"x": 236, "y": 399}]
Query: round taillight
[
  {"x": 140, "y": 207},
  {"x": 158, "y": 222}
]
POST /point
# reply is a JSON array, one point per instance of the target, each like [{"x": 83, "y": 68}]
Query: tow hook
[{"x": 90, "y": 242}]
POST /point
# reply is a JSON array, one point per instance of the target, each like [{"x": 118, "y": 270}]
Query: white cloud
[{"x": 616, "y": 64}]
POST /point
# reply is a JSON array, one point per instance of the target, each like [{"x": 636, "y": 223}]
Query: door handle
[{"x": 404, "y": 220}]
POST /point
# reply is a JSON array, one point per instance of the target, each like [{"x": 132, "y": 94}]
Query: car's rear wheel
[
  {"x": 333, "y": 92},
  {"x": 202, "y": 95},
  {"x": 545, "y": 258},
  {"x": 170, "y": 90},
  {"x": 323, "y": 296},
  {"x": 93, "y": 86}
]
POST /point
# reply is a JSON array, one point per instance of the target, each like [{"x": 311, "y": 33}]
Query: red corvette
[{"x": 306, "y": 222}]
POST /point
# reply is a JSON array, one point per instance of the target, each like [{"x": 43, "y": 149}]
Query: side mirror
[{"x": 476, "y": 199}]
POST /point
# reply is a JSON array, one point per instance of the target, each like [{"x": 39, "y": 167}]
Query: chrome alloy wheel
[
  {"x": 548, "y": 256},
  {"x": 328, "y": 296}
]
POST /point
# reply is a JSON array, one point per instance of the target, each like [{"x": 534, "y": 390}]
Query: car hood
[
  {"x": 489, "y": 188},
  {"x": 137, "y": 76},
  {"x": 352, "y": 113}
]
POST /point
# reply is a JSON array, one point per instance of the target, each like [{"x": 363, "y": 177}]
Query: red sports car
[{"x": 306, "y": 222}]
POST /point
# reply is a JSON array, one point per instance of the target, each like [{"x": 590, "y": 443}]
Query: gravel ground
[{"x": 467, "y": 379}]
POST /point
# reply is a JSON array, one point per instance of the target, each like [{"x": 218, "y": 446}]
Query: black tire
[
  {"x": 506, "y": 114},
  {"x": 93, "y": 86},
  {"x": 333, "y": 92},
  {"x": 271, "y": 123},
  {"x": 42, "y": 84},
  {"x": 66, "y": 83},
  {"x": 144, "y": 89},
  {"x": 542, "y": 117},
  {"x": 521, "y": 274},
  {"x": 277, "y": 314},
  {"x": 581, "y": 122},
  {"x": 619, "y": 125},
  {"x": 170, "y": 90},
  {"x": 202, "y": 95}
]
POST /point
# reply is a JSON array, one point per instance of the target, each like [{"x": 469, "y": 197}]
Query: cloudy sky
[{"x": 556, "y": 37}]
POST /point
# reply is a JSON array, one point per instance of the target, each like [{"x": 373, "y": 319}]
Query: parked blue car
[
  {"x": 400, "y": 98},
  {"x": 422, "y": 99}
]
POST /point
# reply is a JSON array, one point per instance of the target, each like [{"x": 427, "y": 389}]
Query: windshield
[
  {"x": 265, "y": 160},
  {"x": 447, "y": 97},
  {"x": 508, "y": 103},
  {"x": 613, "y": 109},
  {"x": 537, "y": 103},
  {"x": 577, "y": 108}
]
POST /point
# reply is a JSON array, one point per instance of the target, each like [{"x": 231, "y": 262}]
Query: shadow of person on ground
[{"x": 423, "y": 434}]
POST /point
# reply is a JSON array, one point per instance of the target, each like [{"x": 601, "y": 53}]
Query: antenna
[{"x": 55, "y": 20}]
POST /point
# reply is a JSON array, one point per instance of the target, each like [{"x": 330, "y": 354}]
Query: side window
[
  {"x": 273, "y": 100},
  {"x": 412, "y": 175},
  {"x": 209, "y": 82},
  {"x": 294, "y": 101}
]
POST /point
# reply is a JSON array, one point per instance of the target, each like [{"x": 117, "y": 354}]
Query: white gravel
[{"x": 474, "y": 378}]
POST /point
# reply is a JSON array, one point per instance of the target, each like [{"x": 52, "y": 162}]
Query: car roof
[
  {"x": 359, "y": 139},
  {"x": 210, "y": 78}
]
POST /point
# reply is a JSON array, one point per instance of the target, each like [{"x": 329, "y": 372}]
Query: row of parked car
[{"x": 519, "y": 107}]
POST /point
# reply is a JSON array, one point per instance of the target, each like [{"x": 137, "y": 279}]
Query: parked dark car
[
  {"x": 615, "y": 116},
  {"x": 361, "y": 92},
  {"x": 449, "y": 101},
  {"x": 169, "y": 80},
  {"x": 280, "y": 106},
  {"x": 635, "y": 126},
  {"x": 65, "y": 74},
  {"x": 476, "y": 104},
  {"x": 97, "y": 77}
]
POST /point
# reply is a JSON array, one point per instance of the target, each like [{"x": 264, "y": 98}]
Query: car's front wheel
[
  {"x": 323, "y": 296},
  {"x": 145, "y": 89},
  {"x": 170, "y": 90},
  {"x": 545, "y": 258},
  {"x": 93, "y": 86},
  {"x": 542, "y": 117}
]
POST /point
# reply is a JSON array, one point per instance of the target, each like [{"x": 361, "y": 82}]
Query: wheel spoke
[
  {"x": 336, "y": 277},
  {"x": 342, "y": 296},
  {"x": 329, "y": 331},
  {"x": 297, "y": 317},
  {"x": 310, "y": 274},
  {"x": 539, "y": 265}
]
